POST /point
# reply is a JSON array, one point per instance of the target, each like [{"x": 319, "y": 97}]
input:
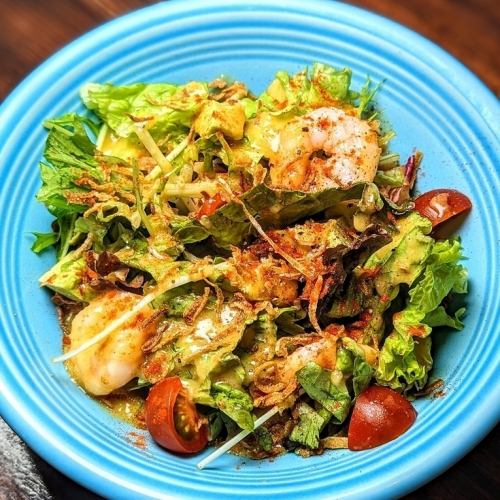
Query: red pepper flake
[
  {"x": 137, "y": 439},
  {"x": 334, "y": 330},
  {"x": 370, "y": 273},
  {"x": 210, "y": 205},
  {"x": 417, "y": 331},
  {"x": 391, "y": 217}
]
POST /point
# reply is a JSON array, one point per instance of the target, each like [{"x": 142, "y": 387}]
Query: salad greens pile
[{"x": 308, "y": 295}]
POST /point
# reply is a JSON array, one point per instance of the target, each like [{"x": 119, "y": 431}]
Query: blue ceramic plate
[{"x": 434, "y": 104}]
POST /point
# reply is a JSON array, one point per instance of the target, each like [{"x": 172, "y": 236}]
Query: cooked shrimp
[
  {"x": 325, "y": 148},
  {"x": 276, "y": 379},
  {"x": 114, "y": 361},
  {"x": 323, "y": 352}
]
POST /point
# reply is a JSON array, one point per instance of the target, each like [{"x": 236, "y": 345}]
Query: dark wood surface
[{"x": 31, "y": 30}]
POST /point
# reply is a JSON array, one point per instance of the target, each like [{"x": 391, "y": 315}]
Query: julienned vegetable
[{"x": 249, "y": 271}]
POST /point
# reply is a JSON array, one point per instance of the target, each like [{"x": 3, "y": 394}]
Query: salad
[{"x": 247, "y": 271}]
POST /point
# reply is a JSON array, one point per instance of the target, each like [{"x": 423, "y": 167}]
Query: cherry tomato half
[
  {"x": 210, "y": 205},
  {"x": 172, "y": 419},
  {"x": 442, "y": 204},
  {"x": 379, "y": 416}
]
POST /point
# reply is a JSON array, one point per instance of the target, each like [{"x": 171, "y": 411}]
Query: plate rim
[{"x": 470, "y": 87}]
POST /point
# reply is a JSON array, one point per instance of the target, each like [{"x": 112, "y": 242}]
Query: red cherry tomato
[
  {"x": 379, "y": 416},
  {"x": 210, "y": 205},
  {"x": 442, "y": 204},
  {"x": 172, "y": 419}
]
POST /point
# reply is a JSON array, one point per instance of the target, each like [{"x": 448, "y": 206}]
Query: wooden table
[{"x": 31, "y": 30}]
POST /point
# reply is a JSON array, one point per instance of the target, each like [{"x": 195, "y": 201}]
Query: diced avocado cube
[{"x": 221, "y": 117}]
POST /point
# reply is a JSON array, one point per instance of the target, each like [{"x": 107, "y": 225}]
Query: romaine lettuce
[
  {"x": 319, "y": 85},
  {"x": 307, "y": 430},
  {"x": 275, "y": 208},
  {"x": 327, "y": 388},
  {"x": 405, "y": 358},
  {"x": 442, "y": 275},
  {"x": 70, "y": 154},
  {"x": 167, "y": 109},
  {"x": 235, "y": 403}
]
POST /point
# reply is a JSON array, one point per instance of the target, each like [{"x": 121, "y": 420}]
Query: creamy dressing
[{"x": 120, "y": 147}]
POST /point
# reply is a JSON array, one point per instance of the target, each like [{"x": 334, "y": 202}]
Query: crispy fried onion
[
  {"x": 105, "y": 270},
  {"x": 291, "y": 260},
  {"x": 219, "y": 298},
  {"x": 275, "y": 380},
  {"x": 166, "y": 333},
  {"x": 313, "y": 303},
  {"x": 286, "y": 345},
  {"x": 333, "y": 442},
  {"x": 196, "y": 307}
]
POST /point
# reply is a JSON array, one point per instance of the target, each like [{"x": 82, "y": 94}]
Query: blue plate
[{"x": 434, "y": 104}]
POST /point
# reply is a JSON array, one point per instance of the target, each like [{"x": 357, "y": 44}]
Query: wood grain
[{"x": 31, "y": 30}]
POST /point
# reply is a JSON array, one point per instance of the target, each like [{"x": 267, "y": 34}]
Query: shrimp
[
  {"x": 276, "y": 380},
  {"x": 116, "y": 360},
  {"x": 326, "y": 148},
  {"x": 323, "y": 352}
]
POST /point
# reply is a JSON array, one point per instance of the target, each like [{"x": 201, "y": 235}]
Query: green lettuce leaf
[
  {"x": 335, "y": 82},
  {"x": 307, "y": 430},
  {"x": 114, "y": 210},
  {"x": 361, "y": 376},
  {"x": 439, "y": 317},
  {"x": 365, "y": 99},
  {"x": 327, "y": 388},
  {"x": 138, "y": 256},
  {"x": 285, "y": 93},
  {"x": 65, "y": 278},
  {"x": 442, "y": 275},
  {"x": 351, "y": 361},
  {"x": 257, "y": 344},
  {"x": 169, "y": 109},
  {"x": 44, "y": 241},
  {"x": 72, "y": 165},
  {"x": 264, "y": 438},
  {"x": 187, "y": 230},
  {"x": 287, "y": 320},
  {"x": 405, "y": 358},
  {"x": 203, "y": 349},
  {"x": 230, "y": 371},
  {"x": 69, "y": 120},
  {"x": 312, "y": 87},
  {"x": 98, "y": 230},
  {"x": 70, "y": 153},
  {"x": 178, "y": 300},
  {"x": 235, "y": 403},
  {"x": 215, "y": 424},
  {"x": 250, "y": 107},
  {"x": 404, "y": 361},
  {"x": 274, "y": 208},
  {"x": 344, "y": 361},
  {"x": 403, "y": 259},
  {"x": 394, "y": 177}
]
